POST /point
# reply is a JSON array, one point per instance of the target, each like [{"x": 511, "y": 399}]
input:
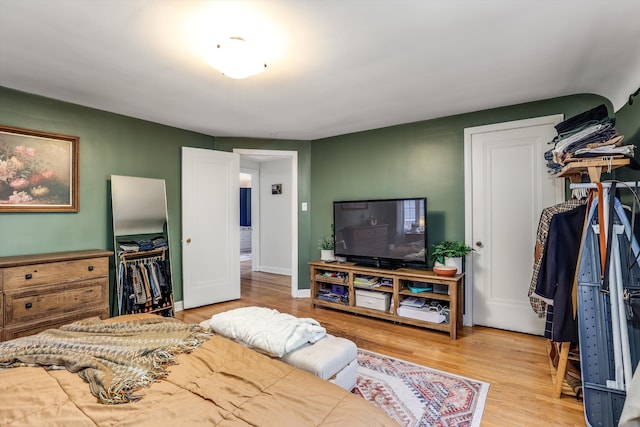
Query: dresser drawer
[
  {"x": 30, "y": 328},
  {"x": 15, "y": 278},
  {"x": 41, "y": 302}
]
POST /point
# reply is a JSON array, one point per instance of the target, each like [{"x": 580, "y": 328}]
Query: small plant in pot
[
  {"x": 450, "y": 253},
  {"x": 326, "y": 246}
]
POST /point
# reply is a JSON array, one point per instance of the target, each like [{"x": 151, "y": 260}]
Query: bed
[{"x": 218, "y": 383}]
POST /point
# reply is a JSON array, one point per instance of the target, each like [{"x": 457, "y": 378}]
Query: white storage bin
[
  {"x": 372, "y": 299},
  {"x": 421, "y": 314}
]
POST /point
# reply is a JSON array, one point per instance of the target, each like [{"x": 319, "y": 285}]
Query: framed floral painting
[{"x": 38, "y": 171}]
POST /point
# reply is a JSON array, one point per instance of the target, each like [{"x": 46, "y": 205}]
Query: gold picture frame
[{"x": 38, "y": 171}]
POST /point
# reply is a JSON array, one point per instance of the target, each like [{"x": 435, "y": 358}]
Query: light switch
[{"x": 304, "y": 206}]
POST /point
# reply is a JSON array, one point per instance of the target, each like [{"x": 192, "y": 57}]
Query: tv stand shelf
[{"x": 325, "y": 277}]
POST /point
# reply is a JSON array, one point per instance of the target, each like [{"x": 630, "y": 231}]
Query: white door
[
  {"x": 507, "y": 188},
  {"x": 210, "y": 226}
]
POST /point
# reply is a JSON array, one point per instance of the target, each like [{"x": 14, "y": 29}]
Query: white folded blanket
[{"x": 267, "y": 330}]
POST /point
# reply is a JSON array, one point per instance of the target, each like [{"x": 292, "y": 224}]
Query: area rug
[{"x": 415, "y": 395}]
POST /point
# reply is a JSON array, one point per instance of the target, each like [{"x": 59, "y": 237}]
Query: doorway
[
  {"x": 249, "y": 190},
  {"x": 506, "y": 188},
  {"x": 274, "y": 245}
]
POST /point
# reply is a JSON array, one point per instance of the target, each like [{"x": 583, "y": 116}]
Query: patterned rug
[{"x": 415, "y": 395}]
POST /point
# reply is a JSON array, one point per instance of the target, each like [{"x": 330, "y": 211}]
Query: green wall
[
  {"x": 418, "y": 159},
  {"x": 110, "y": 144},
  {"x": 628, "y": 124}
]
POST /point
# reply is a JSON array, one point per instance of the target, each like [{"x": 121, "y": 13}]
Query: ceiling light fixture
[{"x": 236, "y": 58}]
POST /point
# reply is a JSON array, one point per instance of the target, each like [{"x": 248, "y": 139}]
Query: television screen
[{"x": 391, "y": 230}]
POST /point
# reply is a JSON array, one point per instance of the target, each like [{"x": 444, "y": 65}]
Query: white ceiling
[{"x": 344, "y": 65}]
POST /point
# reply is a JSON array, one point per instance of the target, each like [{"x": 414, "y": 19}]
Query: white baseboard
[
  {"x": 178, "y": 306},
  {"x": 303, "y": 293},
  {"x": 275, "y": 270}
]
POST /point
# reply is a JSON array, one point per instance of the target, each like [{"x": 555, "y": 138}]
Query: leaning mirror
[{"x": 141, "y": 241}]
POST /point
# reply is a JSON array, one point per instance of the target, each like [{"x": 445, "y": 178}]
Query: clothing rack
[
  {"x": 591, "y": 167},
  {"x": 605, "y": 185},
  {"x": 590, "y": 129},
  {"x": 128, "y": 259},
  {"x": 574, "y": 171},
  {"x": 133, "y": 256},
  {"x": 144, "y": 259}
]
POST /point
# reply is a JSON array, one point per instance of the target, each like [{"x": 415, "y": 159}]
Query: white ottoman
[{"x": 332, "y": 358}]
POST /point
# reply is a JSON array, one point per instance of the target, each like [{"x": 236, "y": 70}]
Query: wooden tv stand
[{"x": 323, "y": 276}]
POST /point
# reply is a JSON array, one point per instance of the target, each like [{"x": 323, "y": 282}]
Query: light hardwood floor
[{"x": 515, "y": 365}]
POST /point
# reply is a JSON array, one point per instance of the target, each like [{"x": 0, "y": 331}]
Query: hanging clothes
[
  {"x": 144, "y": 284},
  {"x": 557, "y": 273},
  {"x": 538, "y": 304},
  {"x": 139, "y": 291}
]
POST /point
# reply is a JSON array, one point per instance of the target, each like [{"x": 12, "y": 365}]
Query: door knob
[
  {"x": 479, "y": 244},
  {"x": 188, "y": 240}
]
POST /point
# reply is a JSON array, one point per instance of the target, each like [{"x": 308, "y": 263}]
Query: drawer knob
[
  {"x": 27, "y": 276},
  {"x": 90, "y": 268},
  {"x": 28, "y": 305}
]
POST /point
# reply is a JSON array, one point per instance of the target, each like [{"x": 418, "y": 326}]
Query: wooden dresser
[{"x": 48, "y": 290}]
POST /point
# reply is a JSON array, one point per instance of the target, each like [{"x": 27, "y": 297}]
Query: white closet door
[
  {"x": 210, "y": 226},
  {"x": 509, "y": 188}
]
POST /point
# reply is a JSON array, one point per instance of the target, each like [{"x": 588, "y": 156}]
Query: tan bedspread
[{"x": 221, "y": 383}]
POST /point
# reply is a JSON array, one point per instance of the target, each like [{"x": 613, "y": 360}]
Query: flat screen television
[{"x": 387, "y": 233}]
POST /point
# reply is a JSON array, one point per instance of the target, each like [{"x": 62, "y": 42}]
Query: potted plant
[
  {"x": 450, "y": 253},
  {"x": 326, "y": 246}
]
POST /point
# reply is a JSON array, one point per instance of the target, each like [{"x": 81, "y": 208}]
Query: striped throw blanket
[{"x": 116, "y": 359}]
